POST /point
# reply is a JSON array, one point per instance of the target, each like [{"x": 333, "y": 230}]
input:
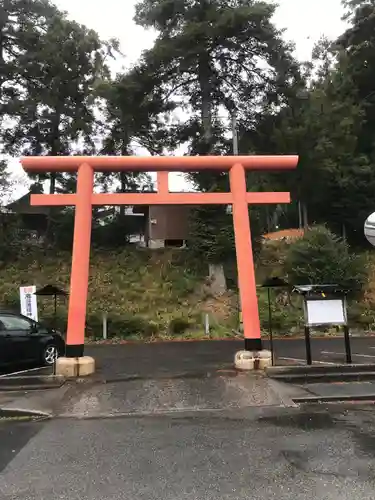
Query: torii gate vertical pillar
[
  {"x": 245, "y": 261},
  {"x": 80, "y": 263}
]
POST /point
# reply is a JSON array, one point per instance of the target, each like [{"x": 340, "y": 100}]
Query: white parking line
[
  {"x": 303, "y": 361},
  {"x": 353, "y": 354},
  {"x": 22, "y": 371}
]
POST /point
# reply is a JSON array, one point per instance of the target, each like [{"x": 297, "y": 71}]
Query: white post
[
  {"x": 207, "y": 324},
  {"x": 105, "y": 326}
]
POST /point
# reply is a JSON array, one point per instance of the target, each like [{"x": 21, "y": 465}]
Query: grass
[{"x": 160, "y": 295}]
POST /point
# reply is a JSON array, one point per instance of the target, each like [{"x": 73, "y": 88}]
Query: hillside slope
[{"x": 145, "y": 293}]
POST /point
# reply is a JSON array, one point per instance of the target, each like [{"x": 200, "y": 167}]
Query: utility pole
[
  {"x": 234, "y": 134},
  {"x": 235, "y": 153}
]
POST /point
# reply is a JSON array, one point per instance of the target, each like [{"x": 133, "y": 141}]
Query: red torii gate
[{"x": 85, "y": 198}]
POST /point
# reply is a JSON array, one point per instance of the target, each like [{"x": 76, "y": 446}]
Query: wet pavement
[
  {"x": 166, "y": 359},
  {"x": 271, "y": 453},
  {"x": 185, "y": 427},
  {"x": 150, "y": 397},
  {"x": 14, "y": 436},
  {"x": 26, "y": 371}
]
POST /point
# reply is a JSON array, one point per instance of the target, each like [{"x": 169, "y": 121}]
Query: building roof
[
  {"x": 23, "y": 206},
  {"x": 284, "y": 234}
]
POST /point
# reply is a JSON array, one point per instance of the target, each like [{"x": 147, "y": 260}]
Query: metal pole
[
  {"x": 55, "y": 316},
  {"x": 270, "y": 324},
  {"x": 234, "y": 134},
  {"x": 348, "y": 349},
  {"x": 308, "y": 346}
]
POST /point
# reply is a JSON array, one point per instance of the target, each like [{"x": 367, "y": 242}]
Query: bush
[
  {"x": 321, "y": 257},
  {"x": 178, "y": 326},
  {"x": 124, "y": 327}
]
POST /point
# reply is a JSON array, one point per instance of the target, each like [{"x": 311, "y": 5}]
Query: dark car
[{"x": 23, "y": 340}]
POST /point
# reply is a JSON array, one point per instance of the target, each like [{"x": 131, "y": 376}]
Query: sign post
[
  {"x": 28, "y": 301},
  {"x": 270, "y": 283},
  {"x": 324, "y": 305}
]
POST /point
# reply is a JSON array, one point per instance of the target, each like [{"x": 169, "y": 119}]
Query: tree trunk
[
  {"x": 123, "y": 179},
  {"x": 4, "y": 15},
  {"x": 123, "y": 189},
  {"x": 52, "y": 185},
  {"x": 300, "y": 219},
  {"x": 344, "y": 232},
  {"x": 55, "y": 148},
  {"x": 207, "y": 143},
  {"x": 54, "y": 151},
  {"x": 304, "y": 216},
  {"x": 204, "y": 77}
]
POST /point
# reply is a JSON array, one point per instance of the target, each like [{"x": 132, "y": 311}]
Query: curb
[
  {"x": 332, "y": 377},
  {"x": 306, "y": 369},
  {"x": 321, "y": 373},
  {"x": 334, "y": 399},
  {"x": 31, "y": 383},
  {"x": 19, "y": 414}
]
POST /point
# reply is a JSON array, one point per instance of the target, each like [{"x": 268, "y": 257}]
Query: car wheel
[{"x": 50, "y": 354}]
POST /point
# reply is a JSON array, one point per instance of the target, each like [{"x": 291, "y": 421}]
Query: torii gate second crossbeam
[{"x": 85, "y": 198}]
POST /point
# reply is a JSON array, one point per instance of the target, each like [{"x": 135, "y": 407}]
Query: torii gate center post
[{"x": 85, "y": 198}]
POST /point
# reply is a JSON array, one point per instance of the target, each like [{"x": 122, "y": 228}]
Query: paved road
[{"x": 282, "y": 453}]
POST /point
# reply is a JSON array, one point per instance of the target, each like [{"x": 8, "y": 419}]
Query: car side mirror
[{"x": 34, "y": 328}]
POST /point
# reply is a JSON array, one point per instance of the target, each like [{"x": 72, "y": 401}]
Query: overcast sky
[{"x": 305, "y": 22}]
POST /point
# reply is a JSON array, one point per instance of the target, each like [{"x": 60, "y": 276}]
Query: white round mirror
[{"x": 370, "y": 229}]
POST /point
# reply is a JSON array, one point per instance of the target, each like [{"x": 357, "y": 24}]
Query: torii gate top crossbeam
[{"x": 40, "y": 164}]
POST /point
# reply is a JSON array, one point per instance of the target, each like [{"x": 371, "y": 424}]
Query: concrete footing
[
  {"x": 244, "y": 360},
  {"x": 264, "y": 359},
  {"x": 75, "y": 367},
  {"x": 252, "y": 360}
]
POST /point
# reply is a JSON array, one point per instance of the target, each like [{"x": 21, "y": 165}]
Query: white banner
[{"x": 28, "y": 299}]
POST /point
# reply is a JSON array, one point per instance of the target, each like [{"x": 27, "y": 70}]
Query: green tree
[
  {"x": 21, "y": 22},
  {"x": 57, "y": 110},
  {"x": 321, "y": 257},
  {"x": 335, "y": 177}
]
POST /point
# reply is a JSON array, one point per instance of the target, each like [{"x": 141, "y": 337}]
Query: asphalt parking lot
[{"x": 183, "y": 358}]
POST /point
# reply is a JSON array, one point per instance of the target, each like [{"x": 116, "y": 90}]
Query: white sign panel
[
  {"x": 325, "y": 312},
  {"x": 28, "y": 301}
]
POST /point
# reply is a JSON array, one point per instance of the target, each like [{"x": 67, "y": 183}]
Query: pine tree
[{"x": 214, "y": 58}]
